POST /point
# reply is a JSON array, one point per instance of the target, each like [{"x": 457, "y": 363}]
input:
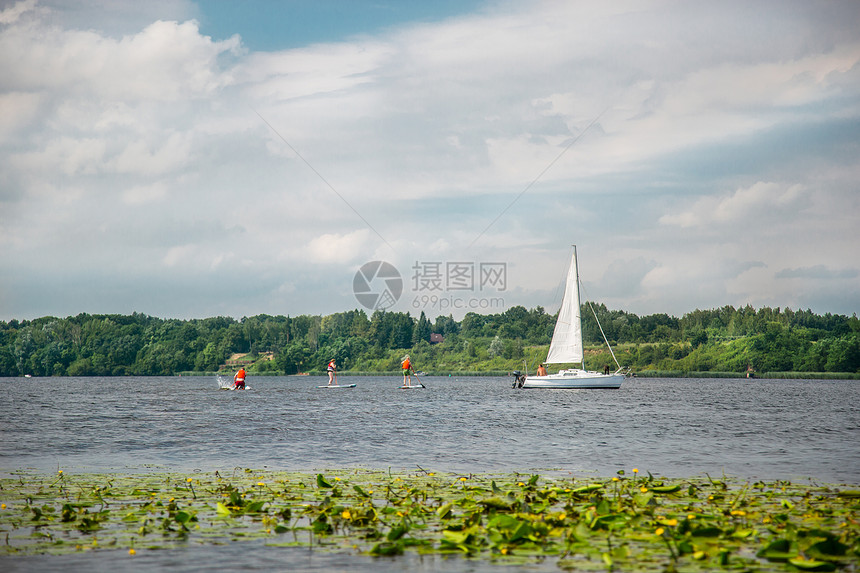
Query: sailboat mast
[{"x": 578, "y": 301}]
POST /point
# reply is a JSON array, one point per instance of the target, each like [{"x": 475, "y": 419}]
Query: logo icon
[{"x": 377, "y": 285}]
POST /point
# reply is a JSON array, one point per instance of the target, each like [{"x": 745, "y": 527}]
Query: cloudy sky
[{"x": 191, "y": 159}]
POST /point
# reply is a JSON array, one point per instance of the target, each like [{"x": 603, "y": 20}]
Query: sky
[{"x": 188, "y": 159}]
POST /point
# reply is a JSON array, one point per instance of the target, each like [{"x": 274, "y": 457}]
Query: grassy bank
[{"x": 634, "y": 523}]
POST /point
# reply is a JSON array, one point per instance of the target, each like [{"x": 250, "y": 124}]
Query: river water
[{"x": 756, "y": 429}]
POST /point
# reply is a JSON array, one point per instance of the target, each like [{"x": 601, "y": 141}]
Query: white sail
[{"x": 566, "y": 346}]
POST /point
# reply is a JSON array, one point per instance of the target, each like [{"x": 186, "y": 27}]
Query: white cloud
[
  {"x": 338, "y": 248},
  {"x": 140, "y": 194},
  {"x": 141, "y": 157},
  {"x": 745, "y": 206},
  {"x": 723, "y": 154},
  {"x": 11, "y": 14},
  {"x": 19, "y": 110}
]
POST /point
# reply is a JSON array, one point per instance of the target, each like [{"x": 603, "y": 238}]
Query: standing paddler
[
  {"x": 406, "y": 365},
  {"x": 332, "y": 372},
  {"x": 239, "y": 379}
]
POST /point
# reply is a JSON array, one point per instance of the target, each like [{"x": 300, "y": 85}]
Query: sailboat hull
[{"x": 574, "y": 378}]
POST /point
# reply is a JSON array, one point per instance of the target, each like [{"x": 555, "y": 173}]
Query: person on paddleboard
[
  {"x": 332, "y": 368},
  {"x": 239, "y": 379},
  {"x": 406, "y": 365}
]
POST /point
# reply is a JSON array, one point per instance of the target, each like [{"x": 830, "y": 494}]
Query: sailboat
[{"x": 566, "y": 347}]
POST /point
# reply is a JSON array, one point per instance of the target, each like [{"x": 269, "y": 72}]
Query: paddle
[{"x": 417, "y": 378}]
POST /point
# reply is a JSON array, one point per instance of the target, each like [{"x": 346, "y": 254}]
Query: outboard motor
[{"x": 519, "y": 379}]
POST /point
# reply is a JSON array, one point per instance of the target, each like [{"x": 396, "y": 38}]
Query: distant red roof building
[{"x": 436, "y": 338}]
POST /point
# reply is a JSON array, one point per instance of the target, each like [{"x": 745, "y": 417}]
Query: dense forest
[{"x": 719, "y": 340}]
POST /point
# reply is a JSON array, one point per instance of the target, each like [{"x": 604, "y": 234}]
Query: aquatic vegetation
[{"x": 641, "y": 523}]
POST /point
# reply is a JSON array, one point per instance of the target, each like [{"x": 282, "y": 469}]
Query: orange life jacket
[
  {"x": 240, "y": 375},
  {"x": 406, "y": 364}
]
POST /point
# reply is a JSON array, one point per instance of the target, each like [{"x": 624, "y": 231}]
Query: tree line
[{"x": 725, "y": 339}]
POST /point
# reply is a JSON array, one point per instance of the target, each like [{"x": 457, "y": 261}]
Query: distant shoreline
[
  {"x": 500, "y": 373},
  {"x": 642, "y": 374}
]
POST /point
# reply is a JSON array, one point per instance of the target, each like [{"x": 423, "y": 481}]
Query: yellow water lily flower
[
  {"x": 346, "y": 514},
  {"x": 132, "y": 551},
  {"x": 659, "y": 531}
]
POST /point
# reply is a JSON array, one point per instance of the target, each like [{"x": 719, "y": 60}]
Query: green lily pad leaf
[
  {"x": 812, "y": 564},
  {"x": 386, "y": 549},
  {"x": 706, "y": 532},
  {"x": 495, "y": 503},
  {"x": 222, "y": 509},
  {"x": 830, "y": 547},
  {"x": 445, "y": 511},
  {"x": 255, "y": 506},
  {"x": 523, "y": 530},
  {"x": 666, "y": 488},
  {"x": 850, "y": 493},
  {"x": 360, "y": 491},
  {"x": 321, "y": 525},
  {"x": 455, "y": 537},
  {"x": 183, "y": 517},
  {"x": 397, "y": 532},
  {"x": 588, "y": 488},
  {"x": 603, "y": 507},
  {"x": 503, "y": 521},
  {"x": 322, "y": 483},
  {"x": 778, "y": 550}
]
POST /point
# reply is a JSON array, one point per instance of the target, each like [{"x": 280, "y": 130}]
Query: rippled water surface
[
  {"x": 789, "y": 429},
  {"x": 678, "y": 427}
]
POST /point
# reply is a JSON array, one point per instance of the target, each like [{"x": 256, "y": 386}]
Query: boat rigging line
[
  {"x": 323, "y": 179},
  {"x": 539, "y": 175}
]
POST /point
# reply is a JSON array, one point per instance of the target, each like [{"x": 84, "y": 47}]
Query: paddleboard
[
  {"x": 336, "y": 386},
  {"x": 413, "y": 387},
  {"x": 227, "y": 384}
]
